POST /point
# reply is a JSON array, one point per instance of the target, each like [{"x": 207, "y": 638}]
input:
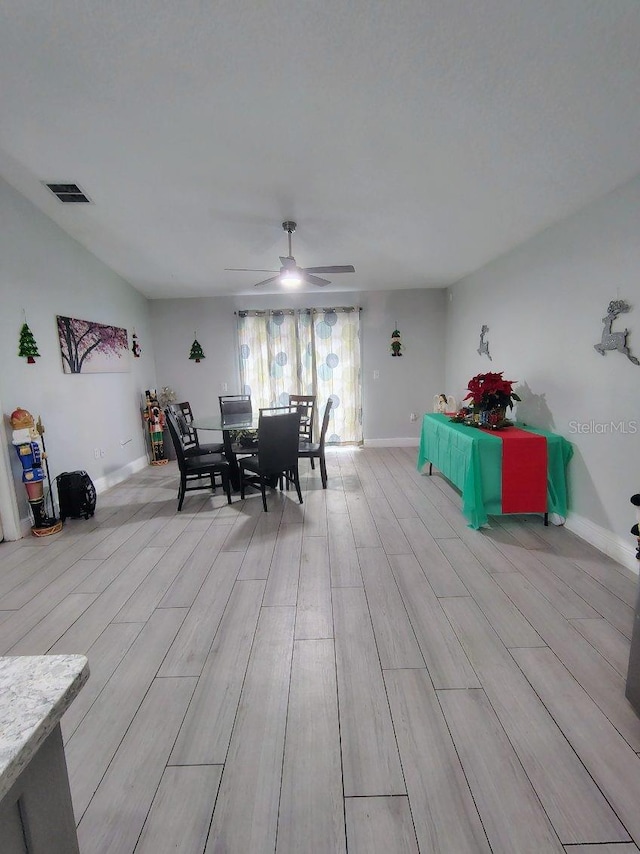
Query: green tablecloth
[{"x": 472, "y": 460}]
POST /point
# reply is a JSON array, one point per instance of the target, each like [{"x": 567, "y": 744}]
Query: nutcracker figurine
[
  {"x": 154, "y": 416},
  {"x": 29, "y": 447}
]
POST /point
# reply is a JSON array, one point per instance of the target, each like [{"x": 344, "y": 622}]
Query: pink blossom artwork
[{"x": 91, "y": 348}]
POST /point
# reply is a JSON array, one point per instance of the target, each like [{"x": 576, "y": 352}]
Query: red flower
[{"x": 491, "y": 391}]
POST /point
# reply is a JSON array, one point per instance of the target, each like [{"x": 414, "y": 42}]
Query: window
[{"x": 308, "y": 351}]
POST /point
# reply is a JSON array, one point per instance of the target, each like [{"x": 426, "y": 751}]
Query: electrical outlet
[
  {"x": 224, "y": 387},
  {"x": 96, "y": 453},
  {"x": 376, "y": 375},
  {"x": 413, "y": 417},
  {"x": 102, "y": 452}
]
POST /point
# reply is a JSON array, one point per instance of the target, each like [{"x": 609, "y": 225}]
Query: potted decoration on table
[
  {"x": 166, "y": 397},
  {"x": 490, "y": 396}
]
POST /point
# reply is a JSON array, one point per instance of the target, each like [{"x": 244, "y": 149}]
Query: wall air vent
[{"x": 70, "y": 194}]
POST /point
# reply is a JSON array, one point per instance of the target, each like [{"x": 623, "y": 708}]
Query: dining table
[{"x": 229, "y": 425}]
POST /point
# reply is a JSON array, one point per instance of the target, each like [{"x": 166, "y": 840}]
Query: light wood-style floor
[{"x": 361, "y": 673}]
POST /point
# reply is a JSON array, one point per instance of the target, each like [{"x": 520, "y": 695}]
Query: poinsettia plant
[{"x": 491, "y": 391}]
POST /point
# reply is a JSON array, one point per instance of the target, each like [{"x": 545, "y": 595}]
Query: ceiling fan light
[{"x": 290, "y": 278}]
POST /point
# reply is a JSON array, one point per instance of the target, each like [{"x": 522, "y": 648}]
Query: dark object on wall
[
  {"x": 76, "y": 495},
  {"x": 196, "y": 351},
  {"x": 135, "y": 346},
  {"x": 615, "y": 340},
  {"x": 396, "y": 344},
  {"x": 27, "y": 346}
]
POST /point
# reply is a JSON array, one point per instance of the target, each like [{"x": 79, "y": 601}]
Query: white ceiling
[{"x": 415, "y": 139}]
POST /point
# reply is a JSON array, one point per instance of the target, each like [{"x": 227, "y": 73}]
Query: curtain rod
[{"x": 276, "y": 312}]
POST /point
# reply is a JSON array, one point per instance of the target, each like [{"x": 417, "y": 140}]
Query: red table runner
[{"x": 524, "y": 471}]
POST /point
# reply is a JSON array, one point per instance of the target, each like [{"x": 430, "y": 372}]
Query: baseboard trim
[
  {"x": 412, "y": 442},
  {"x": 605, "y": 541},
  {"x": 25, "y": 527},
  {"x": 114, "y": 477}
]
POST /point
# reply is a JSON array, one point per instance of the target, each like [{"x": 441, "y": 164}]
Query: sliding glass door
[{"x": 308, "y": 351}]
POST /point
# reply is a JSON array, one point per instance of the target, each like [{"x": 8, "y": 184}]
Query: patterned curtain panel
[{"x": 312, "y": 351}]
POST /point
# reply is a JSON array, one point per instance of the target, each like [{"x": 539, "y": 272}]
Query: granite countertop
[{"x": 35, "y": 691}]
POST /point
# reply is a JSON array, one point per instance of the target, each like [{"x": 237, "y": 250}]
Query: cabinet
[{"x": 36, "y": 813}]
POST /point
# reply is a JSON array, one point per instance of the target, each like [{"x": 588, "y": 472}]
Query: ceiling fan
[{"x": 290, "y": 273}]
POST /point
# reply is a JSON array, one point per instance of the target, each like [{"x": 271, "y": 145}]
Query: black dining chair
[
  {"x": 199, "y": 471},
  {"x": 306, "y": 404},
  {"x": 277, "y": 455},
  {"x": 237, "y": 408},
  {"x": 190, "y": 441},
  {"x": 315, "y": 450},
  {"x": 278, "y": 410}
]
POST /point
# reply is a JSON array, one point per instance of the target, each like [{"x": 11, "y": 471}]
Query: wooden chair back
[
  {"x": 306, "y": 404},
  {"x": 325, "y": 424},
  {"x": 235, "y": 408},
  {"x": 175, "y": 431}
]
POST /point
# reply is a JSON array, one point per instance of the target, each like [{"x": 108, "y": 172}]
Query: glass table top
[{"x": 230, "y": 422}]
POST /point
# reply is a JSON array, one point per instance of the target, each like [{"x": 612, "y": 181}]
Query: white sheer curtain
[{"x": 308, "y": 351}]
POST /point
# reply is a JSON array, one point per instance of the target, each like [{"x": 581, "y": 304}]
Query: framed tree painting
[{"x": 90, "y": 348}]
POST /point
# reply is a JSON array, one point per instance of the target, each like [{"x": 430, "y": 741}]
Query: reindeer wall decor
[
  {"x": 484, "y": 345},
  {"x": 615, "y": 340}
]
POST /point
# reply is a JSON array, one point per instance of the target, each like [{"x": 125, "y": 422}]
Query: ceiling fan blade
[
  {"x": 345, "y": 268},
  {"x": 316, "y": 280},
  {"x": 290, "y": 271},
  {"x": 267, "y": 281},
  {"x": 248, "y": 270}
]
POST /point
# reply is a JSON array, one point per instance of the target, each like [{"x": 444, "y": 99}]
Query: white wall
[
  {"x": 405, "y": 384},
  {"x": 46, "y": 273},
  {"x": 543, "y": 304}
]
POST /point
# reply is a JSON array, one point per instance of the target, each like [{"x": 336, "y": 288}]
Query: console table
[
  {"x": 471, "y": 458},
  {"x": 36, "y": 814}
]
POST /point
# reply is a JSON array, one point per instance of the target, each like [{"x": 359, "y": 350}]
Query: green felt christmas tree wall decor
[
  {"x": 196, "y": 351},
  {"x": 28, "y": 346}
]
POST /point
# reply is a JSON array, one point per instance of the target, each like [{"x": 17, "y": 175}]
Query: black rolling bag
[{"x": 76, "y": 495}]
